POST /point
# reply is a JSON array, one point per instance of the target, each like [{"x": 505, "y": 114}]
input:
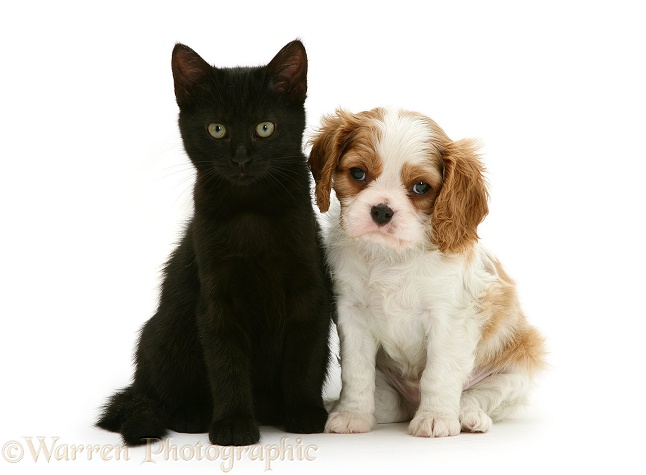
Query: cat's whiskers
[
  {"x": 277, "y": 181},
  {"x": 211, "y": 178},
  {"x": 180, "y": 168},
  {"x": 288, "y": 172}
]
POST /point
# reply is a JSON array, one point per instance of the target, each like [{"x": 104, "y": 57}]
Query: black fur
[{"x": 240, "y": 337}]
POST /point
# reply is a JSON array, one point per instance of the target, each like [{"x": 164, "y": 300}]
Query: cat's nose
[{"x": 241, "y": 157}]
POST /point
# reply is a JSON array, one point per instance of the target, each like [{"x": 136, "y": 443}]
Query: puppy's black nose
[{"x": 381, "y": 214}]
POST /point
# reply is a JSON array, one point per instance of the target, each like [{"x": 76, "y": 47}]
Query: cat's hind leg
[{"x": 133, "y": 414}]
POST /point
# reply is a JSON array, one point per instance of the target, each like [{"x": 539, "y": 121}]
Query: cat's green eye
[
  {"x": 265, "y": 129},
  {"x": 217, "y": 131}
]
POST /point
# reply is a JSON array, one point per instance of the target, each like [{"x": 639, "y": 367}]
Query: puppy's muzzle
[{"x": 381, "y": 214}]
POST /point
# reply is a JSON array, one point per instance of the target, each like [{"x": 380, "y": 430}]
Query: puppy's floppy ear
[
  {"x": 327, "y": 147},
  {"x": 462, "y": 202}
]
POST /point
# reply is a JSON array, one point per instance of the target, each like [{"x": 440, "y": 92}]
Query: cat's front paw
[
  {"x": 349, "y": 423},
  {"x": 190, "y": 419},
  {"x": 234, "y": 431},
  {"x": 305, "y": 420},
  {"x": 429, "y": 425}
]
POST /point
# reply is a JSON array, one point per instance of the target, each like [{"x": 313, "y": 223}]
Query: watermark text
[{"x": 52, "y": 450}]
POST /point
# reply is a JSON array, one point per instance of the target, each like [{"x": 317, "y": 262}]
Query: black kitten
[{"x": 240, "y": 337}]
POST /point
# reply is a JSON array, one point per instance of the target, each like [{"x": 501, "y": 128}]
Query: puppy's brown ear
[
  {"x": 327, "y": 147},
  {"x": 462, "y": 203}
]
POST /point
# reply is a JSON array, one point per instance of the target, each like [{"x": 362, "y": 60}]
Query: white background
[{"x": 94, "y": 187}]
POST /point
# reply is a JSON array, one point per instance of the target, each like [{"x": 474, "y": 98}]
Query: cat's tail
[{"x": 134, "y": 415}]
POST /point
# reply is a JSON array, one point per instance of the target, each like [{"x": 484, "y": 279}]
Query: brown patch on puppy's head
[
  {"x": 347, "y": 135},
  {"x": 413, "y": 176}
]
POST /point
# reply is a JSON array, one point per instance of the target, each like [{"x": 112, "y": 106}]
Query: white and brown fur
[{"x": 429, "y": 323}]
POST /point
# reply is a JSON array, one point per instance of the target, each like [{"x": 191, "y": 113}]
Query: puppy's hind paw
[
  {"x": 349, "y": 423},
  {"x": 474, "y": 419},
  {"x": 427, "y": 425}
]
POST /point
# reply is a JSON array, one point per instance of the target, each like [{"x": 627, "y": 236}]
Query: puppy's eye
[
  {"x": 265, "y": 129},
  {"x": 358, "y": 174},
  {"x": 421, "y": 188},
  {"x": 217, "y": 131}
]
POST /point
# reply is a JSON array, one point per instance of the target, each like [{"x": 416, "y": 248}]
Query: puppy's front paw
[
  {"x": 474, "y": 419},
  {"x": 305, "y": 420},
  {"x": 428, "y": 425},
  {"x": 234, "y": 431},
  {"x": 348, "y": 423}
]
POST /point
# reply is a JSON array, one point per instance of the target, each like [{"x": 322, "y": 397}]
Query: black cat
[{"x": 240, "y": 337}]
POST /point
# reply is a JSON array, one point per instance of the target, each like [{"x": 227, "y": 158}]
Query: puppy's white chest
[
  {"x": 398, "y": 313},
  {"x": 395, "y": 300}
]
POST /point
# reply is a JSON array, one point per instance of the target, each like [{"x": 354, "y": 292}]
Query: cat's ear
[
  {"x": 189, "y": 70},
  {"x": 288, "y": 71}
]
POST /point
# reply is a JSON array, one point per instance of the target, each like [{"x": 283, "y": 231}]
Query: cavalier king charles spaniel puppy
[{"x": 429, "y": 323}]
